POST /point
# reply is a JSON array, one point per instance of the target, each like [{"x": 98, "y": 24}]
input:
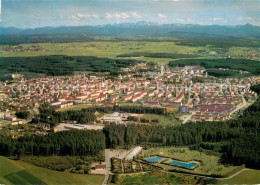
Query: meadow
[
  {"x": 99, "y": 49},
  {"x": 209, "y": 164},
  {"x": 245, "y": 177},
  {"x": 171, "y": 119},
  {"x": 18, "y": 172},
  {"x": 156, "y": 177}
]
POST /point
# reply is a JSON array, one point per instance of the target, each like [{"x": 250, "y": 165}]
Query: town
[{"x": 188, "y": 90}]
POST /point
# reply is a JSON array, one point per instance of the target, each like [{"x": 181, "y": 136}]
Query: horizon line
[{"x": 155, "y": 23}]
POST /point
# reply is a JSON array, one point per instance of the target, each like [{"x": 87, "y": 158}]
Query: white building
[{"x": 133, "y": 153}]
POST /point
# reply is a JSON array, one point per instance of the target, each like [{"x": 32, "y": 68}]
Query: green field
[
  {"x": 156, "y": 177},
  {"x": 209, "y": 164},
  {"x": 112, "y": 49},
  {"x": 245, "y": 177},
  {"x": 75, "y": 107},
  {"x": 18, "y": 172},
  {"x": 100, "y": 49},
  {"x": 171, "y": 119}
]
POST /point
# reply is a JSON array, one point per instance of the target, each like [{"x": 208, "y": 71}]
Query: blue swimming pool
[
  {"x": 185, "y": 165},
  {"x": 153, "y": 159}
]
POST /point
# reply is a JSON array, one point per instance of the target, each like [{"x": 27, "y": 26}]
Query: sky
[{"x": 41, "y": 13}]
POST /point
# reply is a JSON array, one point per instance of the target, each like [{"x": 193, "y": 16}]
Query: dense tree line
[
  {"x": 57, "y": 65},
  {"x": 74, "y": 143},
  {"x": 218, "y": 42},
  {"x": 223, "y": 74},
  {"x": 251, "y": 66},
  {"x": 158, "y": 55},
  {"x": 128, "y": 109}
]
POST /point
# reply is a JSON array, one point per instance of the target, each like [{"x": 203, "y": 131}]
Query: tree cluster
[
  {"x": 73, "y": 143},
  {"x": 49, "y": 115}
]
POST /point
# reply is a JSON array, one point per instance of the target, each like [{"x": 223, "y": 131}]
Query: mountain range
[{"x": 143, "y": 29}]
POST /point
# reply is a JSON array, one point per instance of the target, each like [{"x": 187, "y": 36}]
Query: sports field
[{"x": 18, "y": 172}]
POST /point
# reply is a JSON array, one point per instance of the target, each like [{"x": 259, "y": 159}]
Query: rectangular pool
[
  {"x": 153, "y": 159},
  {"x": 185, "y": 165}
]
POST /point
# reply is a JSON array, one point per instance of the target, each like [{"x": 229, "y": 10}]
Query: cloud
[
  {"x": 175, "y": 0},
  {"x": 179, "y": 20},
  {"x": 217, "y": 19},
  {"x": 136, "y": 15},
  {"x": 74, "y": 18},
  {"x": 122, "y": 15},
  {"x": 250, "y": 19},
  {"x": 161, "y": 16},
  {"x": 240, "y": 19},
  {"x": 79, "y": 16},
  {"x": 87, "y": 16},
  {"x": 253, "y": 21}
]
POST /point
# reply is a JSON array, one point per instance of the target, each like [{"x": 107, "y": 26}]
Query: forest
[
  {"x": 73, "y": 143},
  {"x": 57, "y": 65},
  {"x": 219, "y": 42}
]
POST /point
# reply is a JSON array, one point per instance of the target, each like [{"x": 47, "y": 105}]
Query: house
[
  {"x": 134, "y": 152},
  {"x": 10, "y": 118},
  {"x": 115, "y": 118},
  {"x": 128, "y": 97},
  {"x": 150, "y": 94},
  {"x": 153, "y": 103},
  {"x": 172, "y": 104},
  {"x": 179, "y": 98},
  {"x": 65, "y": 105},
  {"x": 168, "y": 94},
  {"x": 114, "y": 97},
  {"x": 2, "y": 115},
  {"x": 55, "y": 104},
  {"x": 136, "y": 98},
  {"x": 99, "y": 167},
  {"x": 110, "y": 104},
  {"x": 183, "y": 109},
  {"x": 17, "y": 122},
  {"x": 160, "y": 94}
]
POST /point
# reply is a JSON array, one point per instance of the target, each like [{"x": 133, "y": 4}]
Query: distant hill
[{"x": 144, "y": 29}]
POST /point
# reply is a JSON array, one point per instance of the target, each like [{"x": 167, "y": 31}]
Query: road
[
  {"x": 233, "y": 174},
  {"x": 105, "y": 182},
  {"x": 187, "y": 119},
  {"x": 240, "y": 106}
]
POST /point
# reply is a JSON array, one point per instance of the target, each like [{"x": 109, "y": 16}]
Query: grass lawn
[
  {"x": 163, "y": 120},
  {"x": 75, "y": 107},
  {"x": 209, "y": 164},
  {"x": 245, "y": 177},
  {"x": 18, "y": 172}
]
